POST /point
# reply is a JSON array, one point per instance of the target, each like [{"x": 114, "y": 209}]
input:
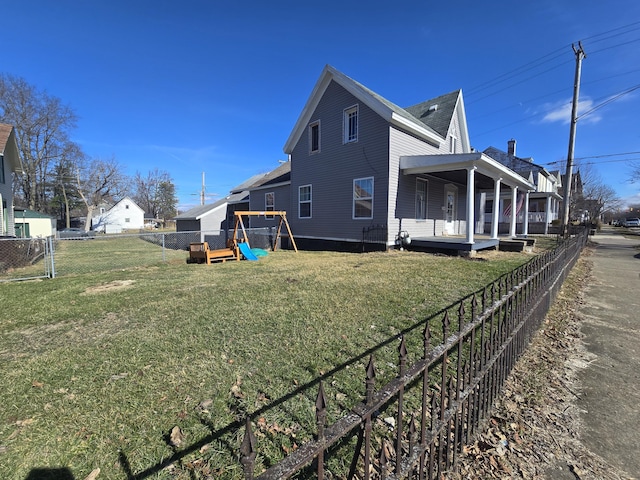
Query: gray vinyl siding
[
  {"x": 402, "y": 188},
  {"x": 455, "y": 126},
  {"x": 331, "y": 171},
  {"x": 282, "y": 199}
]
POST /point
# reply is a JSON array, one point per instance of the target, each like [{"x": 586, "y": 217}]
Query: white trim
[
  {"x": 367, "y": 98},
  {"x": 315, "y": 123},
  {"x": 266, "y": 205},
  {"x": 353, "y": 200},
  {"x": 347, "y": 135},
  {"x": 425, "y": 182},
  {"x": 485, "y": 165},
  {"x": 310, "y": 201}
]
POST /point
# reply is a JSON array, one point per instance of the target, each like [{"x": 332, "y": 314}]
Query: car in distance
[
  {"x": 75, "y": 233},
  {"x": 631, "y": 222}
]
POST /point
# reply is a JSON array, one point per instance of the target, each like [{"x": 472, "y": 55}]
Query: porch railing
[{"x": 438, "y": 401}]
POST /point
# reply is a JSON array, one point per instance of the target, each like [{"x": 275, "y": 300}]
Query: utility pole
[
  {"x": 580, "y": 54},
  {"x": 203, "y": 190}
]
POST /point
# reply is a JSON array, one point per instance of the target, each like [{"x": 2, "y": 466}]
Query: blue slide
[{"x": 246, "y": 251}]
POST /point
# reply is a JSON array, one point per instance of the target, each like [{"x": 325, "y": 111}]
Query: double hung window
[
  {"x": 363, "y": 198},
  {"x": 304, "y": 201}
]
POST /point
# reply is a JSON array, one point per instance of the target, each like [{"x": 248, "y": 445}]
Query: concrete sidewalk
[{"x": 610, "y": 398}]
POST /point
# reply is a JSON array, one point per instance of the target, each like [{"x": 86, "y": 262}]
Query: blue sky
[{"x": 216, "y": 87}]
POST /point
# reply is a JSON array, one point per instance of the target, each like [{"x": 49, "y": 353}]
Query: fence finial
[{"x": 248, "y": 450}]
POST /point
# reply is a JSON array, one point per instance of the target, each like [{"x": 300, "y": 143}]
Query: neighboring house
[
  {"x": 9, "y": 164},
  {"x": 30, "y": 224},
  {"x": 359, "y": 161},
  {"x": 216, "y": 216},
  {"x": 544, "y": 203},
  {"x": 124, "y": 215}
]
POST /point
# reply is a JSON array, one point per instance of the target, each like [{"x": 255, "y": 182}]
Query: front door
[{"x": 449, "y": 211}]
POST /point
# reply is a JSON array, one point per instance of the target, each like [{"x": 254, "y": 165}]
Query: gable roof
[
  {"x": 26, "y": 213},
  {"x": 430, "y": 128},
  {"x": 279, "y": 175},
  {"x": 131, "y": 201},
  {"x": 523, "y": 166},
  {"x": 196, "y": 213},
  {"x": 437, "y": 112},
  {"x": 9, "y": 147}
]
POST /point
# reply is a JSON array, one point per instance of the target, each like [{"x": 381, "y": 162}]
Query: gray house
[
  {"x": 361, "y": 163},
  {"x": 9, "y": 163}
]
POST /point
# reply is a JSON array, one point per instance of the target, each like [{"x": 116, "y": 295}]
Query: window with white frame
[
  {"x": 452, "y": 144},
  {"x": 421, "y": 199},
  {"x": 314, "y": 137},
  {"x": 350, "y": 124},
  {"x": 304, "y": 201},
  {"x": 363, "y": 198},
  {"x": 269, "y": 204}
]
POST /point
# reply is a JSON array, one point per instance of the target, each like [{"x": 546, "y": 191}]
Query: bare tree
[
  {"x": 42, "y": 126},
  {"x": 596, "y": 197},
  {"x": 635, "y": 171},
  {"x": 98, "y": 182},
  {"x": 155, "y": 194}
]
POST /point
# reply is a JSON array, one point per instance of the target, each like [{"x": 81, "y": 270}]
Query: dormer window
[{"x": 350, "y": 124}]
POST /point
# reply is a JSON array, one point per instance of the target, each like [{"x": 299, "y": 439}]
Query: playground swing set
[{"x": 239, "y": 247}]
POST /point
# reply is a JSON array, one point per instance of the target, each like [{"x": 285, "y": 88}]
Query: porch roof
[{"x": 453, "y": 168}]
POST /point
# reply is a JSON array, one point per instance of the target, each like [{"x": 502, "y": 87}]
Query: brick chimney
[{"x": 511, "y": 148}]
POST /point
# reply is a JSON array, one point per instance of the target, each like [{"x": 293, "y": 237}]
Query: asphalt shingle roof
[{"x": 436, "y": 113}]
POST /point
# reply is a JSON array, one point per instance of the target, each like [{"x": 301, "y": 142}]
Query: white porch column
[
  {"x": 471, "y": 194},
  {"x": 547, "y": 215},
  {"x": 514, "y": 198},
  {"x": 525, "y": 223},
  {"x": 495, "y": 214}
]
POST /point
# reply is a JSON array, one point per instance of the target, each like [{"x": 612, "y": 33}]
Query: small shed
[{"x": 31, "y": 224}]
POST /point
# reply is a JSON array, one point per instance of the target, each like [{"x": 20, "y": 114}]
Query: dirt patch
[
  {"x": 534, "y": 430},
  {"x": 110, "y": 287}
]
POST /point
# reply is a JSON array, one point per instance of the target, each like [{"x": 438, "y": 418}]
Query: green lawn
[{"x": 99, "y": 366}]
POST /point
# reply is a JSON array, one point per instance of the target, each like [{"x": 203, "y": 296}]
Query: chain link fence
[{"x": 23, "y": 259}]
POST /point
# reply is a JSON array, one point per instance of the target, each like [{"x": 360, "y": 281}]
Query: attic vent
[{"x": 433, "y": 108}]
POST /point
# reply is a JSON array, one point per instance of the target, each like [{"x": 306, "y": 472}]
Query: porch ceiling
[{"x": 454, "y": 168}]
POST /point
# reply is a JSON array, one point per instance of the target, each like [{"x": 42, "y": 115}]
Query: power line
[
  {"x": 600, "y": 156},
  {"x": 546, "y": 59}
]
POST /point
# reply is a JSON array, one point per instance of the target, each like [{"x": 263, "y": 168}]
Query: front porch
[{"x": 459, "y": 245}]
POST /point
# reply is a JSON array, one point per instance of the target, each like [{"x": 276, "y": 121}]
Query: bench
[{"x": 200, "y": 253}]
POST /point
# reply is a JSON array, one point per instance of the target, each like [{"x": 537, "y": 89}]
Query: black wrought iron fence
[
  {"x": 374, "y": 237},
  {"x": 416, "y": 425}
]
